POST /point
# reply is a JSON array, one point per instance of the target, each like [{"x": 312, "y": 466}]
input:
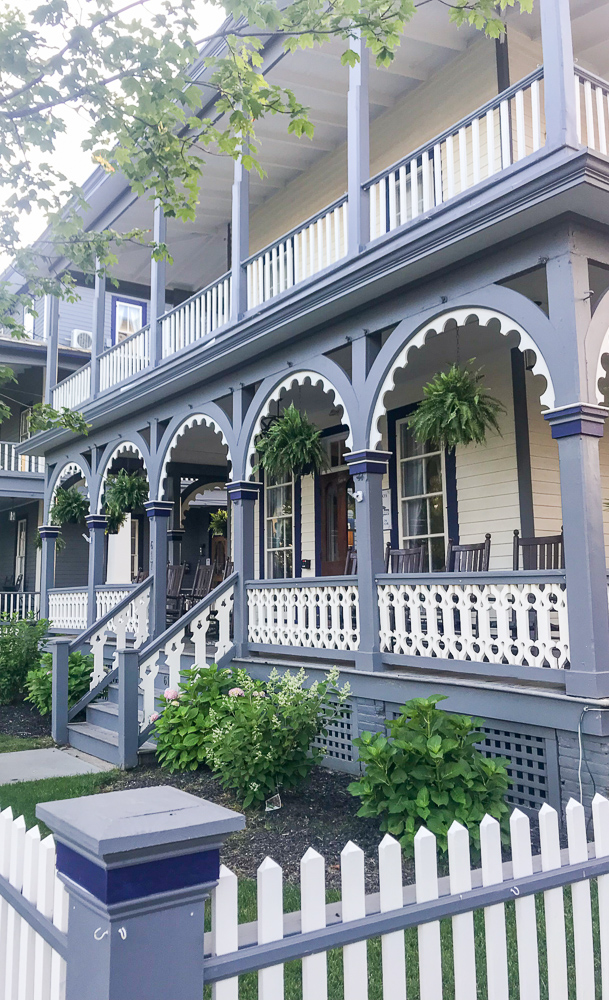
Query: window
[
  {"x": 336, "y": 447},
  {"x": 128, "y": 317},
  {"x": 24, "y": 425},
  {"x": 422, "y": 501},
  {"x": 279, "y": 529},
  {"x": 20, "y": 554}
]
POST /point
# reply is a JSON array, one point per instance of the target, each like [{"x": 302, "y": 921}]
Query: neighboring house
[{"x": 455, "y": 206}]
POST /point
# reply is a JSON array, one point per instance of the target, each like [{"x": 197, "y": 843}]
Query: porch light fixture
[
  {"x": 12, "y": 516},
  {"x": 529, "y": 359}
]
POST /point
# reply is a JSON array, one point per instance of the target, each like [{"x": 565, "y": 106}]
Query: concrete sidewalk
[{"x": 31, "y": 765}]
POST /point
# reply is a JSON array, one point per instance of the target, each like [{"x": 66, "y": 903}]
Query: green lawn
[
  {"x": 23, "y": 796},
  {"x": 9, "y": 744}
]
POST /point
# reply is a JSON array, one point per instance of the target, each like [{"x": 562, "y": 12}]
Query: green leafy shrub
[
  {"x": 455, "y": 410},
  {"x": 429, "y": 773},
  {"x": 182, "y": 729},
  {"x": 39, "y": 682},
  {"x": 70, "y": 506},
  {"x": 218, "y": 522},
  {"x": 21, "y": 640},
  {"x": 291, "y": 446},
  {"x": 260, "y": 741}
]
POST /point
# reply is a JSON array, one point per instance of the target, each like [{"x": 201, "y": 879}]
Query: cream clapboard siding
[
  {"x": 487, "y": 475},
  {"x": 257, "y": 540},
  {"x": 307, "y": 494},
  {"x": 545, "y": 476},
  {"x": 464, "y": 84},
  {"x": 524, "y": 54}
]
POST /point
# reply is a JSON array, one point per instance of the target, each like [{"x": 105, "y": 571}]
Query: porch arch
[
  {"x": 597, "y": 346},
  {"x": 126, "y": 449},
  {"x": 194, "y": 420},
  {"x": 274, "y": 393},
  {"x": 458, "y": 317},
  {"x": 66, "y": 472}
]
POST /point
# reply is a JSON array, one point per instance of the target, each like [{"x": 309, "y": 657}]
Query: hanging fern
[
  {"x": 60, "y": 542},
  {"x": 455, "y": 410},
  {"x": 124, "y": 493},
  {"x": 218, "y": 523},
  {"x": 70, "y": 506},
  {"x": 291, "y": 446}
]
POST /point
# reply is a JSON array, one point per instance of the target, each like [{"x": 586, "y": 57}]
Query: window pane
[
  {"x": 415, "y": 518},
  {"x": 433, "y": 474},
  {"x": 128, "y": 319},
  {"x": 412, "y": 478},
  {"x": 276, "y": 565},
  {"x": 279, "y": 501},
  {"x": 408, "y": 446},
  {"x": 436, "y": 515},
  {"x": 288, "y": 562}
]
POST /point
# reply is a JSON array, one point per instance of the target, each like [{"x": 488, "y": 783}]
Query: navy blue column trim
[
  {"x": 366, "y": 461},
  {"x": 158, "y": 508},
  {"x": 49, "y": 530},
  {"x": 577, "y": 418},
  {"x": 243, "y": 490}
]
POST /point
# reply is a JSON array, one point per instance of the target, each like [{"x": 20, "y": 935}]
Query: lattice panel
[
  {"x": 338, "y": 741},
  {"x": 528, "y": 769}
]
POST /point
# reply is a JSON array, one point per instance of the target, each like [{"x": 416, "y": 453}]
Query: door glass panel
[
  {"x": 422, "y": 503},
  {"x": 415, "y": 518},
  {"x": 279, "y": 529},
  {"x": 412, "y": 478},
  {"x": 409, "y": 446},
  {"x": 436, "y": 515}
]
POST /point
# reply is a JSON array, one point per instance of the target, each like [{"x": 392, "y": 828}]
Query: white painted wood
[
  {"x": 464, "y": 953},
  {"x": 536, "y": 115},
  {"x": 430, "y": 952},
  {"x": 450, "y": 167},
  {"x": 582, "y": 908},
  {"x": 27, "y": 937},
  {"x": 600, "y": 818},
  {"x": 490, "y": 142},
  {"x": 494, "y": 916},
  {"x": 600, "y": 117},
  {"x": 437, "y": 173},
  {"x": 45, "y": 894},
  {"x": 391, "y": 181},
  {"x": 463, "y": 178},
  {"x": 403, "y": 195},
  {"x": 6, "y": 826},
  {"x": 270, "y": 926},
  {"x": 313, "y": 917},
  {"x": 590, "y": 130},
  {"x": 60, "y": 919},
  {"x": 392, "y": 945},
  {"x": 74, "y": 390},
  {"x": 427, "y": 181},
  {"x": 476, "y": 150},
  {"x": 521, "y": 146},
  {"x": 225, "y": 929},
  {"x": 554, "y": 907},
  {"x": 13, "y": 931},
  {"x": 504, "y": 125},
  {"x": 414, "y": 188},
  {"x": 526, "y": 921},
  {"x": 353, "y": 891},
  {"x": 285, "y": 615},
  {"x": 578, "y": 108}
]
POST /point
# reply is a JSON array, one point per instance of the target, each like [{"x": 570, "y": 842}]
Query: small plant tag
[{"x": 273, "y": 803}]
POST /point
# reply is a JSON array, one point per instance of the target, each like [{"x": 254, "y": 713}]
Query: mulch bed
[
  {"x": 23, "y": 720},
  {"x": 321, "y": 814}
]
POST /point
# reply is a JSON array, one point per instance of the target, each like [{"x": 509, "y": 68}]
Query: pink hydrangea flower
[
  {"x": 175, "y": 702},
  {"x": 236, "y": 693},
  {"x": 155, "y": 716},
  {"x": 170, "y": 694}
]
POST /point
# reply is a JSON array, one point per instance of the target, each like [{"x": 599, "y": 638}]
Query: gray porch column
[
  {"x": 368, "y": 469},
  {"x": 60, "y": 652},
  {"x": 240, "y": 240},
  {"x": 51, "y": 335},
  {"x": 577, "y": 429},
  {"x": 49, "y": 534},
  {"x": 243, "y": 496},
  {"x": 175, "y": 537},
  {"x": 99, "y": 319},
  {"x": 559, "y": 78},
  {"x": 138, "y": 866},
  {"x": 158, "y": 512},
  {"x": 158, "y": 274},
  {"x": 97, "y": 524},
  {"x": 358, "y": 150}
]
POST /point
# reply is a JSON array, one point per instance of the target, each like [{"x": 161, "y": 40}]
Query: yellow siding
[
  {"x": 524, "y": 55},
  {"x": 308, "y": 522}
]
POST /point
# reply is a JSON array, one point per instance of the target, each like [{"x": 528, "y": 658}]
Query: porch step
[
  {"x": 99, "y": 742},
  {"x": 112, "y": 699},
  {"x": 105, "y": 715}
]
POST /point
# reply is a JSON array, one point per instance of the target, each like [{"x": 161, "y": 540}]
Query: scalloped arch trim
[
  {"x": 125, "y": 448},
  {"x": 69, "y": 470},
  {"x": 197, "y": 419},
  {"x": 460, "y": 317},
  {"x": 296, "y": 378}
]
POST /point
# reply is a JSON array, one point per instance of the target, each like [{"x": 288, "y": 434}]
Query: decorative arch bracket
[{"x": 195, "y": 420}]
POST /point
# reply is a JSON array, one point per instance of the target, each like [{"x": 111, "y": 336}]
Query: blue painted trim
[
  {"x": 578, "y": 418},
  {"x": 297, "y": 540},
  {"x": 579, "y": 425},
  {"x": 120, "y": 885},
  {"x": 94, "y": 521},
  {"x": 367, "y": 461},
  {"x": 243, "y": 490},
  {"x": 51, "y": 531},
  {"x": 132, "y": 302},
  {"x": 158, "y": 508}
]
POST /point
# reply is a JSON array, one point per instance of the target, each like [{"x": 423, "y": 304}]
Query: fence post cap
[{"x": 134, "y": 843}]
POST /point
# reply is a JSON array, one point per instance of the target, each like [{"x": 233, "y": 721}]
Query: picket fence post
[{"x": 138, "y": 866}]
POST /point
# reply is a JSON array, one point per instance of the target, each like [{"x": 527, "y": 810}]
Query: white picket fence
[{"x": 29, "y": 968}]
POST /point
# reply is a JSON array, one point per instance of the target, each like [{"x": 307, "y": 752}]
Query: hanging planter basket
[
  {"x": 291, "y": 446},
  {"x": 70, "y": 506},
  {"x": 124, "y": 493},
  {"x": 456, "y": 409},
  {"x": 218, "y": 523}
]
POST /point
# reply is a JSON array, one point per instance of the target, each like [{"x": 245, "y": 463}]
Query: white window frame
[
  {"x": 20, "y": 560},
  {"x": 406, "y": 540},
  {"x": 268, "y": 549}
]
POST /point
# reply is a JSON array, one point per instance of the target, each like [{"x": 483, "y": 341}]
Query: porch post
[
  {"x": 97, "y": 524},
  {"x": 240, "y": 240},
  {"x": 358, "y": 150},
  {"x": 158, "y": 512},
  {"x": 158, "y": 274},
  {"x": 51, "y": 335},
  {"x": 243, "y": 496},
  {"x": 577, "y": 429},
  {"x": 99, "y": 320},
  {"x": 559, "y": 73},
  {"x": 368, "y": 469},
  {"x": 138, "y": 866},
  {"x": 49, "y": 534},
  {"x": 175, "y": 537}
]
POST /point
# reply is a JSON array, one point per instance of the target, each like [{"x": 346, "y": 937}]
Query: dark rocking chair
[
  {"x": 201, "y": 585},
  {"x": 351, "y": 561},
  {"x": 539, "y": 553},
  {"x": 175, "y": 575},
  {"x": 404, "y": 560},
  {"x": 468, "y": 558}
]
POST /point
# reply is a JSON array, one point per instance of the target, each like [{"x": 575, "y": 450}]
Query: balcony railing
[
  {"x": 74, "y": 389},
  {"x": 68, "y": 607},
  {"x": 19, "y": 603},
  {"x": 10, "y": 461},
  {"x": 314, "y": 245},
  {"x": 316, "y": 613},
  {"x": 504, "y": 130},
  {"x": 124, "y": 359},
  {"x": 201, "y": 314},
  {"x": 592, "y": 110}
]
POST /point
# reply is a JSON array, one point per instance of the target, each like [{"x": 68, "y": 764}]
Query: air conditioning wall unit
[{"x": 82, "y": 339}]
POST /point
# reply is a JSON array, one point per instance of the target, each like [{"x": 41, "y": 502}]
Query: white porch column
[
  {"x": 51, "y": 335},
  {"x": 158, "y": 277},
  {"x": 559, "y": 75},
  {"x": 358, "y": 150},
  {"x": 240, "y": 240}
]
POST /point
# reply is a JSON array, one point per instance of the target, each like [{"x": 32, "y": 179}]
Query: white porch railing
[
  {"x": 201, "y": 314},
  {"x": 10, "y": 461},
  {"x": 74, "y": 389},
  {"x": 592, "y": 110},
  {"x": 319, "y": 614},
  {"x": 312, "y": 246},
  {"x": 510, "y": 618},
  {"x": 502, "y": 131},
  {"x": 124, "y": 359},
  {"x": 68, "y": 607},
  {"x": 107, "y": 597},
  {"x": 19, "y": 603}
]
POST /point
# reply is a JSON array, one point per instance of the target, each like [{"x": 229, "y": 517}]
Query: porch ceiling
[{"x": 590, "y": 26}]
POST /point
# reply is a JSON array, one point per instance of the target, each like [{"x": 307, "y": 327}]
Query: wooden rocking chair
[{"x": 472, "y": 558}]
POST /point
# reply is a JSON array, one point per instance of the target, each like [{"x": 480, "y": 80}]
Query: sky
[{"x": 70, "y": 158}]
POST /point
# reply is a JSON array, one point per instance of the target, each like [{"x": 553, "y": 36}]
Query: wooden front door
[{"x": 334, "y": 523}]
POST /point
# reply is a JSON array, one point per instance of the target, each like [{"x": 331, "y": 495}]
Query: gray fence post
[
  {"x": 128, "y": 694},
  {"x": 138, "y": 866},
  {"x": 59, "y": 699}
]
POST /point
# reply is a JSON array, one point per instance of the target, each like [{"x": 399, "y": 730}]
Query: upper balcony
[{"x": 448, "y": 134}]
